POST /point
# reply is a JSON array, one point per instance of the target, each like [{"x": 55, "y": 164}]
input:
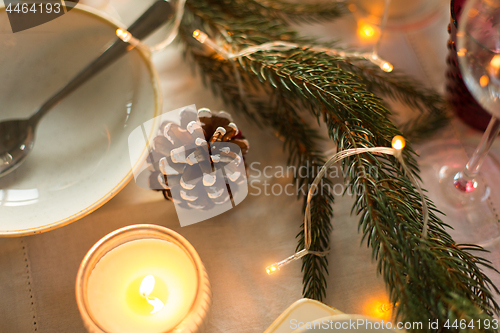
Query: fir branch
[
  {"x": 301, "y": 142},
  {"x": 396, "y": 86},
  {"x": 428, "y": 279},
  {"x": 215, "y": 16}
]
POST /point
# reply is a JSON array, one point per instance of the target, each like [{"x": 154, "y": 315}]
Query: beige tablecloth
[{"x": 37, "y": 273}]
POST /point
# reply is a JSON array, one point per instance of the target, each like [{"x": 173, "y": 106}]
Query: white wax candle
[{"x": 119, "y": 304}]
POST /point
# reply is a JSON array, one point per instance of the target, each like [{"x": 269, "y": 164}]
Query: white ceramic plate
[
  {"x": 309, "y": 316},
  {"x": 80, "y": 159},
  {"x": 302, "y": 311},
  {"x": 348, "y": 323}
]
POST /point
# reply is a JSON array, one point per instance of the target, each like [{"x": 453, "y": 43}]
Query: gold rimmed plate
[{"x": 80, "y": 159}]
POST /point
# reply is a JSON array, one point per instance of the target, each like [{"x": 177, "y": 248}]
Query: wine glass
[
  {"x": 478, "y": 51},
  {"x": 462, "y": 192}
]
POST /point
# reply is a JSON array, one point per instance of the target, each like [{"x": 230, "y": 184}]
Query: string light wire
[
  {"x": 203, "y": 38},
  {"x": 133, "y": 42},
  {"x": 398, "y": 144}
]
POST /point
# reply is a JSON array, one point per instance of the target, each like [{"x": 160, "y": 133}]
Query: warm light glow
[
  {"x": 271, "y": 269},
  {"x": 366, "y": 30},
  {"x": 387, "y": 67},
  {"x": 495, "y": 62},
  {"x": 147, "y": 286},
  {"x": 200, "y": 36},
  {"x": 123, "y": 35},
  {"x": 114, "y": 287},
  {"x": 156, "y": 303},
  {"x": 398, "y": 142},
  {"x": 473, "y": 12},
  {"x": 385, "y": 307},
  {"x": 379, "y": 308},
  {"x": 461, "y": 52},
  {"x": 384, "y": 65},
  {"x": 484, "y": 80}
]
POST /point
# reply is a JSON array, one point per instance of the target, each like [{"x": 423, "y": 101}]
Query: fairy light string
[
  {"x": 127, "y": 37},
  {"x": 133, "y": 42},
  {"x": 398, "y": 144},
  {"x": 203, "y": 38}
]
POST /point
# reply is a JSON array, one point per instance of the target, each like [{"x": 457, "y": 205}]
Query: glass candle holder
[
  {"x": 463, "y": 103},
  {"x": 143, "y": 278}
]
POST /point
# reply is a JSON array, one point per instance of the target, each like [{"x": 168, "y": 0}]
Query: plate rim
[
  {"x": 278, "y": 322},
  {"x": 153, "y": 73}
]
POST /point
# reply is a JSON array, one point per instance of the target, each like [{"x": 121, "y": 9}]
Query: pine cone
[{"x": 190, "y": 155}]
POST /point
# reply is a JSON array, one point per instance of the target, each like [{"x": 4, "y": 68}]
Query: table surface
[{"x": 37, "y": 273}]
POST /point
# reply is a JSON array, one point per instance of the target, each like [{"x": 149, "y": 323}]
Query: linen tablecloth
[{"x": 37, "y": 273}]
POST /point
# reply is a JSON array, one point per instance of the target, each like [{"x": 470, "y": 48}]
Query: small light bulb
[
  {"x": 387, "y": 67},
  {"x": 385, "y": 307},
  {"x": 123, "y": 35},
  {"x": 398, "y": 142},
  {"x": 200, "y": 36},
  {"x": 271, "y": 269},
  {"x": 366, "y": 30}
]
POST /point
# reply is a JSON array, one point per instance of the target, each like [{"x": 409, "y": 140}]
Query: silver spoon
[{"x": 17, "y": 136}]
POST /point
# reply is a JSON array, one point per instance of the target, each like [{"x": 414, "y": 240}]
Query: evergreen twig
[{"x": 430, "y": 278}]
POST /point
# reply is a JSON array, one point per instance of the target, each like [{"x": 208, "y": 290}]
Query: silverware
[{"x": 17, "y": 136}]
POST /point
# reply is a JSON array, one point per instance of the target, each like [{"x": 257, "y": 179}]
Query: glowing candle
[{"x": 144, "y": 279}]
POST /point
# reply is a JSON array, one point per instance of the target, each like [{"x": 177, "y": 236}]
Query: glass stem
[
  {"x": 383, "y": 23},
  {"x": 472, "y": 168}
]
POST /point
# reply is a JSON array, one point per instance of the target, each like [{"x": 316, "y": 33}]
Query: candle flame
[
  {"x": 398, "y": 142},
  {"x": 146, "y": 288}
]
